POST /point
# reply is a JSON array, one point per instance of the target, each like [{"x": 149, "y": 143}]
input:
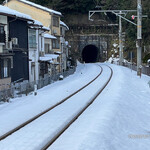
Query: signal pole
[
  {"x": 139, "y": 37},
  {"x": 120, "y": 41},
  {"x": 119, "y": 14}
]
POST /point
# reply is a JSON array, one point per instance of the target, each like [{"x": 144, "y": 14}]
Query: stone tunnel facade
[{"x": 91, "y": 47}]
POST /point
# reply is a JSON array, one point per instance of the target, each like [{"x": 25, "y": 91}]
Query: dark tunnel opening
[{"x": 90, "y": 54}]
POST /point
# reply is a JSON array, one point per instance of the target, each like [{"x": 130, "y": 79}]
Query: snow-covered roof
[
  {"x": 38, "y": 23},
  {"x": 58, "y": 52},
  {"x": 41, "y": 7},
  {"x": 63, "y": 24},
  {"x": 35, "y": 23},
  {"x": 49, "y": 36},
  {"x": 45, "y": 28},
  {"x": 10, "y": 12},
  {"x": 49, "y": 57}
]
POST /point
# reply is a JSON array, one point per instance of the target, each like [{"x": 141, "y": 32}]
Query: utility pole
[
  {"x": 139, "y": 30},
  {"x": 139, "y": 37},
  {"x": 120, "y": 41},
  {"x": 119, "y": 14}
]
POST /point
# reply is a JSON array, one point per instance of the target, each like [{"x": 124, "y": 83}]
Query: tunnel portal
[{"x": 90, "y": 54}]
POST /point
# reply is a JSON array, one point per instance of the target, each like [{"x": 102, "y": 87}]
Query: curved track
[
  {"x": 47, "y": 110},
  {"x": 56, "y": 136}
]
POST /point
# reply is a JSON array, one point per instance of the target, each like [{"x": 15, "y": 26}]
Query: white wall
[{"x": 33, "y": 60}]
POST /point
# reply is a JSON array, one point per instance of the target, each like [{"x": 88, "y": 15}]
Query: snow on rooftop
[
  {"x": 45, "y": 28},
  {"x": 49, "y": 57},
  {"x": 35, "y": 22},
  {"x": 41, "y": 7},
  {"x": 8, "y": 11},
  {"x": 49, "y": 36},
  {"x": 63, "y": 24},
  {"x": 58, "y": 52},
  {"x": 38, "y": 23}
]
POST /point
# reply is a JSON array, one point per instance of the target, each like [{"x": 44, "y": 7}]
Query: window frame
[
  {"x": 56, "y": 43},
  {"x": 5, "y": 68},
  {"x": 55, "y": 21},
  {"x": 47, "y": 48},
  {"x": 2, "y": 34},
  {"x": 32, "y": 38}
]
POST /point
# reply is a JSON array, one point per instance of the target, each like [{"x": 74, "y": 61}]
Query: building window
[
  {"x": 55, "y": 21},
  {"x": 2, "y": 34},
  {"x": 5, "y": 66},
  {"x": 61, "y": 31},
  {"x": 32, "y": 38},
  {"x": 47, "y": 48},
  {"x": 43, "y": 68},
  {"x": 56, "y": 43}
]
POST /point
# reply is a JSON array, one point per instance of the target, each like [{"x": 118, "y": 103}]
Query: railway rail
[
  {"x": 2, "y": 137},
  {"x": 52, "y": 140}
]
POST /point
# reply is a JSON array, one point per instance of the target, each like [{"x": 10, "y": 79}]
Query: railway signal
[{"x": 133, "y": 17}]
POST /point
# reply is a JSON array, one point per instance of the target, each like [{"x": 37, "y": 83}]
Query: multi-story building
[
  {"x": 36, "y": 48},
  {"x": 13, "y": 46},
  {"x": 5, "y": 56},
  {"x": 48, "y": 17},
  {"x": 64, "y": 45}
]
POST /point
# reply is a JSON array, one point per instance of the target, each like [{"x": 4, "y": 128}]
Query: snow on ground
[
  {"x": 21, "y": 109},
  {"x": 37, "y": 134},
  {"x": 118, "y": 120}
]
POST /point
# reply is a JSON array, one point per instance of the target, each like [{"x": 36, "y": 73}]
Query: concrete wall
[
  {"x": 34, "y": 57},
  {"x": 5, "y": 83}
]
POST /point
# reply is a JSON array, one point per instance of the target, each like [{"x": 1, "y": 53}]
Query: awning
[
  {"x": 49, "y": 57},
  {"x": 49, "y": 36}
]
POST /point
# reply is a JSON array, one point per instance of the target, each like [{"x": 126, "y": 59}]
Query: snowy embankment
[
  {"x": 21, "y": 109},
  {"x": 118, "y": 120}
]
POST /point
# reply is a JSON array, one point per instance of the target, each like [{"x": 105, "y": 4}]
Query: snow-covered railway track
[
  {"x": 49, "y": 109},
  {"x": 56, "y": 136},
  {"x": 45, "y": 130}
]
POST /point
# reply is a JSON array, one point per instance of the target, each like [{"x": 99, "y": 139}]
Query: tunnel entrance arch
[{"x": 90, "y": 54}]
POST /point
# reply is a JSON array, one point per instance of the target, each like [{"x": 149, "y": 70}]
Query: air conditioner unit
[
  {"x": 14, "y": 41},
  {"x": 54, "y": 31}
]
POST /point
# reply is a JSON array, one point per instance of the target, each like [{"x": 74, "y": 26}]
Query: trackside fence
[
  {"x": 24, "y": 88},
  {"x": 145, "y": 69}
]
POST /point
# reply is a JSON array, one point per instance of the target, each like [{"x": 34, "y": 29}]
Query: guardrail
[{"x": 145, "y": 69}]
